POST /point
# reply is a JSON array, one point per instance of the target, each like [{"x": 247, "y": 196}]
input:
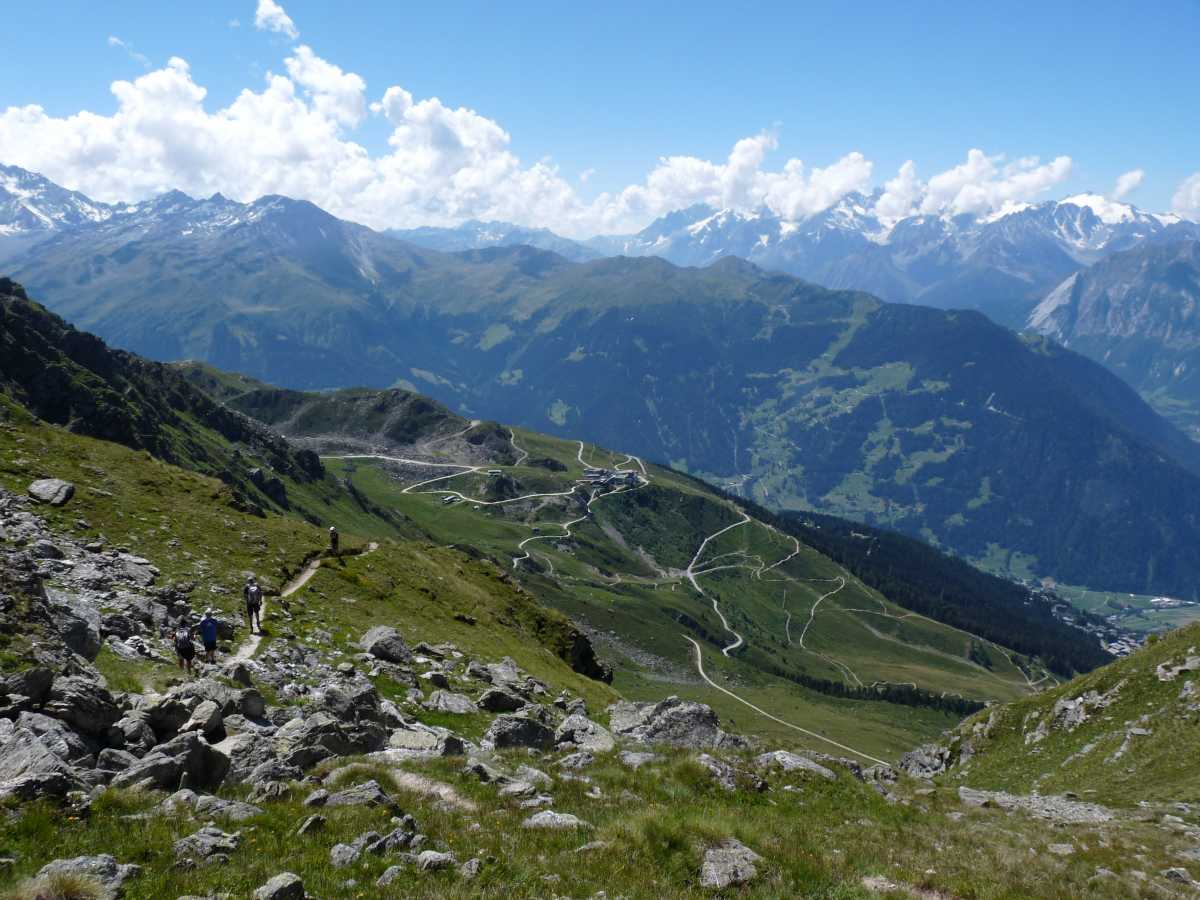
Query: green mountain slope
[{"x": 1124, "y": 733}]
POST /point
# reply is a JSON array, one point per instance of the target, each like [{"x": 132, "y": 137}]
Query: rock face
[
  {"x": 104, "y": 869},
  {"x": 926, "y": 761},
  {"x": 54, "y": 491},
  {"x": 680, "y": 723},
  {"x": 384, "y": 642},
  {"x": 729, "y": 864},
  {"x": 1057, "y": 809},
  {"x": 83, "y": 705}
]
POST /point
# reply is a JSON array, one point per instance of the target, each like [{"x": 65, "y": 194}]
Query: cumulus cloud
[
  {"x": 1186, "y": 201},
  {"x": 982, "y": 184},
  {"x": 294, "y": 135},
  {"x": 1128, "y": 183},
  {"x": 269, "y": 16},
  {"x": 336, "y": 94}
]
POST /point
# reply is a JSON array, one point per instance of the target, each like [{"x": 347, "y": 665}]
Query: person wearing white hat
[{"x": 333, "y": 540}]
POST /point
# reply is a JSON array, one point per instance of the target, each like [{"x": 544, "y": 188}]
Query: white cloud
[
  {"x": 442, "y": 164},
  {"x": 981, "y": 184},
  {"x": 586, "y": 175},
  {"x": 269, "y": 16},
  {"x": 140, "y": 58},
  {"x": 336, "y": 94},
  {"x": 1128, "y": 183},
  {"x": 1186, "y": 201},
  {"x": 900, "y": 194}
]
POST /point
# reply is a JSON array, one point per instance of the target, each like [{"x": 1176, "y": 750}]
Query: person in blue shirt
[{"x": 208, "y": 635}]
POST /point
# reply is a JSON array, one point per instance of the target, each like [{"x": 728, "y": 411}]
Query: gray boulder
[
  {"x": 305, "y": 742},
  {"x": 450, "y": 702},
  {"x": 103, "y": 869},
  {"x": 728, "y": 777},
  {"x": 518, "y": 731},
  {"x": 927, "y": 761},
  {"x": 54, "y": 491},
  {"x": 680, "y": 723},
  {"x": 549, "y": 819},
  {"x": 432, "y": 860},
  {"x": 369, "y": 793},
  {"x": 792, "y": 762},
  {"x": 284, "y": 886},
  {"x": 584, "y": 733},
  {"x": 59, "y": 739},
  {"x": 83, "y": 704},
  {"x": 498, "y": 700},
  {"x": 36, "y": 786},
  {"x": 731, "y": 863},
  {"x": 26, "y": 754},
  {"x": 386, "y": 643},
  {"x": 209, "y": 844}
]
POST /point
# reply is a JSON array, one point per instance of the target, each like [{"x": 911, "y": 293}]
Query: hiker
[
  {"x": 253, "y": 596},
  {"x": 208, "y": 635},
  {"x": 333, "y": 540},
  {"x": 185, "y": 648}
]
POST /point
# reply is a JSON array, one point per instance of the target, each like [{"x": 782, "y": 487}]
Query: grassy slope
[
  {"x": 1159, "y": 766},
  {"x": 621, "y": 574}
]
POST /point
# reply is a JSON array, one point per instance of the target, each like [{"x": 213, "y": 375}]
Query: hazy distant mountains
[
  {"x": 1137, "y": 312},
  {"x": 475, "y": 235}
]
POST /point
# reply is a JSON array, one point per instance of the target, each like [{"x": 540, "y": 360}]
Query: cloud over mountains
[{"x": 295, "y": 135}]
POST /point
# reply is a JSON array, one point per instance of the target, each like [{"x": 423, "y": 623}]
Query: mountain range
[
  {"x": 1009, "y": 451},
  {"x": 1138, "y": 313}
]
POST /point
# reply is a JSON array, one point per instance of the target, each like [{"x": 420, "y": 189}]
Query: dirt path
[
  {"x": 763, "y": 712},
  {"x": 691, "y": 574},
  {"x": 250, "y": 646}
]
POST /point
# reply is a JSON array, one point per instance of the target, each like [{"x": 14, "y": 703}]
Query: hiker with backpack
[
  {"x": 333, "y": 540},
  {"x": 185, "y": 647},
  {"x": 208, "y": 635},
  {"x": 254, "y": 597}
]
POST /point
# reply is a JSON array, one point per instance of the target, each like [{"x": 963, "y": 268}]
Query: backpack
[
  {"x": 254, "y": 597},
  {"x": 183, "y": 640}
]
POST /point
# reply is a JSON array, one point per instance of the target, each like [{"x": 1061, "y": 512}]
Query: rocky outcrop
[
  {"x": 679, "y": 723},
  {"x": 104, "y": 870}
]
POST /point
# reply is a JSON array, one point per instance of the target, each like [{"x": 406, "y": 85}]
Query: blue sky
[{"x": 606, "y": 90}]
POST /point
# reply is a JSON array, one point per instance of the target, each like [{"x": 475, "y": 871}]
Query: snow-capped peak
[{"x": 1110, "y": 212}]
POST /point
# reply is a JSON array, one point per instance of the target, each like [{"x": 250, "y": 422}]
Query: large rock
[
  {"x": 59, "y": 739},
  {"x": 36, "y": 786},
  {"x": 24, "y": 753},
  {"x": 792, "y": 762},
  {"x": 82, "y": 704},
  {"x": 386, "y": 643},
  {"x": 548, "y": 819},
  {"x": 356, "y": 701},
  {"x": 584, "y": 733},
  {"x": 305, "y": 742},
  {"x": 187, "y": 760},
  {"x": 498, "y": 700},
  {"x": 369, "y": 793},
  {"x": 103, "y": 869},
  {"x": 450, "y": 702},
  {"x": 680, "y": 723},
  {"x": 284, "y": 886},
  {"x": 926, "y": 761},
  {"x": 518, "y": 731},
  {"x": 731, "y": 863},
  {"x": 54, "y": 491},
  {"x": 208, "y": 845}
]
